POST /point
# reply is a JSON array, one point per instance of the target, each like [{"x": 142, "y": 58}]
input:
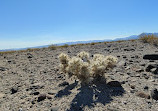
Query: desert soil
[{"x": 32, "y": 81}]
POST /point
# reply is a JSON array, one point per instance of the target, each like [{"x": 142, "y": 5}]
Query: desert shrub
[
  {"x": 93, "y": 43},
  {"x": 84, "y": 69},
  {"x": 7, "y": 52},
  {"x": 64, "y": 46},
  {"x": 84, "y": 56},
  {"x": 149, "y": 38},
  {"x": 64, "y": 59},
  {"x": 111, "y": 61},
  {"x": 52, "y": 47}
]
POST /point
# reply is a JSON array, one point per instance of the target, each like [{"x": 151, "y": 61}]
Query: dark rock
[
  {"x": 142, "y": 64},
  {"x": 154, "y": 70},
  {"x": 33, "y": 101},
  {"x": 146, "y": 87},
  {"x": 3, "y": 69},
  {"x": 130, "y": 61},
  {"x": 154, "y": 94},
  {"x": 51, "y": 93},
  {"x": 143, "y": 95},
  {"x": 140, "y": 70},
  {"x": 41, "y": 97},
  {"x": 14, "y": 90},
  {"x": 132, "y": 57},
  {"x": 132, "y": 86},
  {"x": 49, "y": 97},
  {"x": 36, "y": 86},
  {"x": 151, "y": 57},
  {"x": 123, "y": 82},
  {"x": 29, "y": 56},
  {"x": 114, "y": 84},
  {"x": 9, "y": 61},
  {"x": 129, "y": 49},
  {"x": 63, "y": 84},
  {"x": 145, "y": 76},
  {"x": 133, "y": 91},
  {"x": 34, "y": 93},
  {"x": 60, "y": 77},
  {"x": 154, "y": 67}
]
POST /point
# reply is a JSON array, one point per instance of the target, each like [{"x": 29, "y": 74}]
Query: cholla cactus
[
  {"x": 84, "y": 69},
  {"x": 84, "y": 73},
  {"x": 64, "y": 59},
  {"x": 111, "y": 61},
  {"x": 84, "y": 56},
  {"x": 74, "y": 65},
  {"x": 98, "y": 57}
]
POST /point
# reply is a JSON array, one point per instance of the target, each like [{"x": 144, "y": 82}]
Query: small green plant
[{"x": 85, "y": 69}]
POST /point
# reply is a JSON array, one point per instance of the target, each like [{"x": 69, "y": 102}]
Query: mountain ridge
[{"x": 83, "y": 42}]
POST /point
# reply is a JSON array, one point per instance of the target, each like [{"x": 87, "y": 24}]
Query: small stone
[
  {"x": 3, "y": 69},
  {"x": 146, "y": 87},
  {"x": 34, "y": 93},
  {"x": 142, "y": 64},
  {"x": 36, "y": 86},
  {"x": 133, "y": 91},
  {"x": 41, "y": 97},
  {"x": 145, "y": 76},
  {"x": 154, "y": 94},
  {"x": 33, "y": 101},
  {"x": 60, "y": 77},
  {"x": 132, "y": 86},
  {"x": 14, "y": 89},
  {"x": 64, "y": 84},
  {"x": 29, "y": 56},
  {"x": 123, "y": 82},
  {"x": 114, "y": 84},
  {"x": 54, "y": 109},
  {"x": 140, "y": 70},
  {"x": 51, "y": 93},
  {"x": 143, "y": 95},
  {"x": 49, "y": 97}
]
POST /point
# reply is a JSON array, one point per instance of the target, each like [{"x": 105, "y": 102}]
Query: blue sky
[{"x": 27, "y": 23}]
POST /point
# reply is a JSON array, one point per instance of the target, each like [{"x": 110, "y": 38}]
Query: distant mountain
[
  {"x": 149, "y": 34},
  {"x": 83, "y": 42},
  {"x": 106, "y": 40}
]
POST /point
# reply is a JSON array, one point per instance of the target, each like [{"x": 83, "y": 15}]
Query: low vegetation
[
  {"x": 85, "y": 69},
  {"x": 149, "y": 38},
  {"x": 52, "y": 47}
]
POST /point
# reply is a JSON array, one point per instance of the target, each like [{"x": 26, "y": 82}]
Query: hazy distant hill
[{"x": 90, "y": 41}]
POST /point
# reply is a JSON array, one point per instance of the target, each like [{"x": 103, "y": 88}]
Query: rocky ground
[{"x": 31, "y": 81}]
